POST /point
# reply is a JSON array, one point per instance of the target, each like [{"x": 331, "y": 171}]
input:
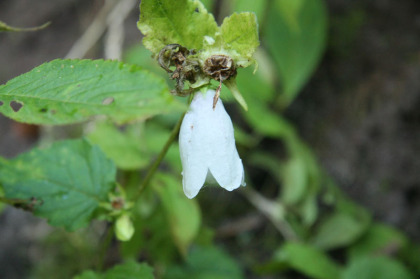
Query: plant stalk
[{"x": 160, "y": 157}]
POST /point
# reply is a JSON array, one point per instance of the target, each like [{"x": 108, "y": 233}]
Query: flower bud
[{"x": 124, "y": 228}]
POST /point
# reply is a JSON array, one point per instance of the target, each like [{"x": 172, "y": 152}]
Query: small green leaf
[
  {"x": 338, "y": 230},
  {"x": 376, "y": 267},
  {"x": 183, "y": 214},
  {"x": 128, "y": 270},
  {"x": 231, "y": 84},
  {"x": 183, "y": 22},
  {"x": 266, "y": 122},
  {"x": 69, "y": 91},
  {"x": 124, "y": 148},
  {"x": 69, "y": 179},
  {"x": 308, "y": 209},
  {"x": 379, "y": 239},
  {"x": 206, "y": 263},
  {"x": 309, "y": 261},
  {"x": 342, "y": 227},
  {"x": 296, "y": 37},
  {"x": 295, "y": 180},
  {"x": 240, "y": 34},
  {"x": 6, "y": 28}
]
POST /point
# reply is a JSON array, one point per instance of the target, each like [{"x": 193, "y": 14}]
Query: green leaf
[
  {"x": 140, "y": 55},
  {"x": 128, "y": 270},
  {"x": 295, "y": 180},
  {"x": 379, "y": 239},
  {"x": 342, "y": 227},
  {"x": 308, "y": 209},
  {"x": 267, "y": 122},
  {"x": 259, "y": 88},
  {"x": 89, "y": 274},
  {"x": 155, "y": 137},
  {"x": 69, "y": 91},
  {"x": 338, "y": 230},
  {"x": 183, "y": 214},
  {"x": 124, "y": 148},
  {"x": 231, "y": 84},
  {"x": 309, "y": 261},
  {"x": 296, "y": 36},
  {"x": 290, "y": 11},
  {"x": 70, "y": 179},
  {"x": 152, "y": 234},
  {"x": 375, "y": 268},
  {"x": 206, "y": 263},
  {"x": 183, "y": 22},
  {"x": 6, "y": 28},
  {"x": 410, "y": 254},
  {"x": 260, "y": 84},
  {"x": 240, "y": 34}
]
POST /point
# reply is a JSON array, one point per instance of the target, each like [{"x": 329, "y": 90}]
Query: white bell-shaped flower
[{"x": 207, "y": 147}]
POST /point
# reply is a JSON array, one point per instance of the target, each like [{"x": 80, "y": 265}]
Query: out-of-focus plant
[{"x": 126, "y": 170}]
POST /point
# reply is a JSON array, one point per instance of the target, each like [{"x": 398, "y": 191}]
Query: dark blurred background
[{"x": 360, "y": 111}]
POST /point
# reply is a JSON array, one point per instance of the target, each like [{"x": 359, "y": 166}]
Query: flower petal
[
  {"x": 224, "y": 163},
  {"x": 207, "y": 143},
  {"x": 192, "y": 155}
]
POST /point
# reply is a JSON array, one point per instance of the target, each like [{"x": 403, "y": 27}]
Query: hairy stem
[{"x": 160, "y": 157}]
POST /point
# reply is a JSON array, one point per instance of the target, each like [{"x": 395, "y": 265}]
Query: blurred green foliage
[{"x": 317, "y": 231}]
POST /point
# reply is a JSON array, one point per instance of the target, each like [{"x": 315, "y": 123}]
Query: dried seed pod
[
  {"x": 175, "y": 55},
  {"x": 220, "y": 67},
  {"x": 172, "y": 55}
]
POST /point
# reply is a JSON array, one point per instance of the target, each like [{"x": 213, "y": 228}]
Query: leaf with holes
[
  {"x": 69, "y": 91},
  {"x": 69, "y": 180},
  {"x": 240, "y": 34},
  {"x": 183, "y": 22}
]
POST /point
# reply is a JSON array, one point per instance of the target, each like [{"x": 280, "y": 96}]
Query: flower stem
[{"x": 160, "y": 157}]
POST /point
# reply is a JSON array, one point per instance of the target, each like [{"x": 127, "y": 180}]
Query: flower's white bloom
[{"x": 207, "y": 147}]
